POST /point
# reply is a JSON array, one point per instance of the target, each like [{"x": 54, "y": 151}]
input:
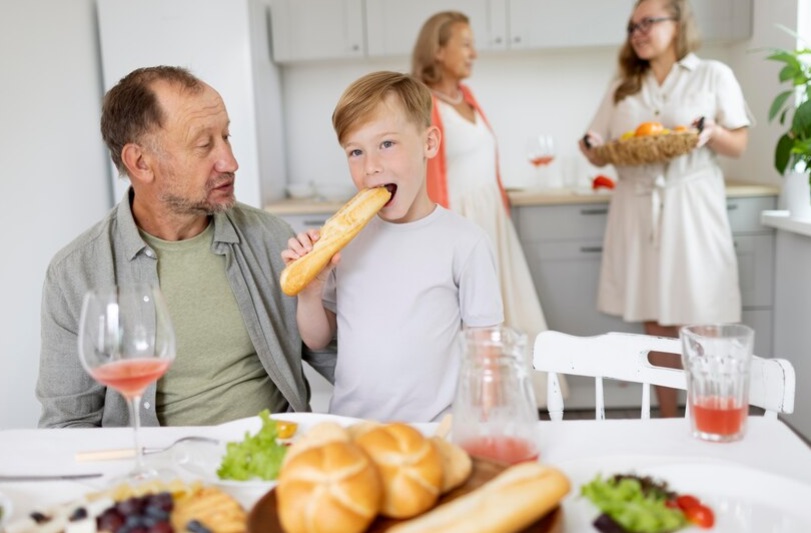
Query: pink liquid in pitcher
[
  {"x": 719, "y": 415},
  {"x": 131, "y": 376},
  {"x": 509, "y": 450}
]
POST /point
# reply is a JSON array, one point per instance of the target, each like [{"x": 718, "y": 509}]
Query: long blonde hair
[
  {"x": 434, "y": 34},
  {"x": 632, "y": 68}
]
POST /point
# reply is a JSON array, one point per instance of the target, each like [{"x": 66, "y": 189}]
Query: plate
[
  {"x": 5, "y": 510},
  {"x": 201, "y": 460},
  {"x": 743, "y": 499},
  {"x": 264, "y": 517}
]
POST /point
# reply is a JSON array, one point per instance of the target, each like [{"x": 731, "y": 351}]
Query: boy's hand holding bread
[{"x": 336, "y": 233}]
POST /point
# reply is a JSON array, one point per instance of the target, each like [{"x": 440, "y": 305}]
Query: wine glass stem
[{"x": 135, "y": 416}]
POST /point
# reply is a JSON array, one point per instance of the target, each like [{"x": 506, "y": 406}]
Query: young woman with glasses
[{"x": 668, "y": 254}]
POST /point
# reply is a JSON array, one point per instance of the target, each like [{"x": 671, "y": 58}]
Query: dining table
[{"x": 769, "y": 451}]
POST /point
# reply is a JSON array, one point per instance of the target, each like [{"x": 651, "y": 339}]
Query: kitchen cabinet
[
  {"x": 332, "y": 29},
  {"x": 724, "y": 20},
  {"x": 392, "y": 26},
  {"x": 535, "y": 24},
  {"x": 563, "y": 248},
  {"x": 304, "y": 30}
]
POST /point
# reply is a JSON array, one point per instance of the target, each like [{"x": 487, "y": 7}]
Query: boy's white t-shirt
[{"x": 401, "y": 294}]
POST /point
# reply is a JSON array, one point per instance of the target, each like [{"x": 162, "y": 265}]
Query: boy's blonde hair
[{"x": 362, "y": 97}]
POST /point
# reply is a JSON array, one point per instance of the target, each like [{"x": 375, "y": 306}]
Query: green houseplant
[{"x": 792, "y": 108}]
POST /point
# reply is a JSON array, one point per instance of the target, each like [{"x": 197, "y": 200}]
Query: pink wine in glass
[
  {"x": 541, "y": 160},
  {"x": 130, "y": 376}
]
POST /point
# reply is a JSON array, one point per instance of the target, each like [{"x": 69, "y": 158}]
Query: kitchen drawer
[
  {"x": 566, "y": 279},
  {"x": 755, "y": 269},
  {"x": 560, "y": 222},
  {"x": 744, "y": 213},
  {"x": 301, "y": 223}
]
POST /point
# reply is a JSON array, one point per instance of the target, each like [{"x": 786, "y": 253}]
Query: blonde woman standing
[
  {"x": 668, "y": 254},
  {"x": 464, "y": 175}
]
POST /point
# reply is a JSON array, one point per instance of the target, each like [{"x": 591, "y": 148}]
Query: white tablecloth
[{"x": 769, "y": 445}]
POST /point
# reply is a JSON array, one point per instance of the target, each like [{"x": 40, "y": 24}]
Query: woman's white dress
[
  {"x": 470, "y": 152},
  {"x": 668, "y": 253}
]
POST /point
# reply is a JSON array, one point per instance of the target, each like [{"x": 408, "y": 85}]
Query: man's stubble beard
[{"x": 185, "y": 206}]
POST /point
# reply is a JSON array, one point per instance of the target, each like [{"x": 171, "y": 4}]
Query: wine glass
[
  {"x": 541, "y": 152},
  {"x": 127, "y": 342}
]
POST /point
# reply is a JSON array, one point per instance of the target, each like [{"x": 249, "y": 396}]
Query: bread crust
[
  {"x": 336, "y": 233},
  {"x": 331, "y": 488},
  {"x": 410, "y": 468},
  {"x": 511, "y": 501}
]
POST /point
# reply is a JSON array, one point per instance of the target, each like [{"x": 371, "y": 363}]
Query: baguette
[
  {"x": 336, "y": 233},
  {"x": 510, "y": 502}
]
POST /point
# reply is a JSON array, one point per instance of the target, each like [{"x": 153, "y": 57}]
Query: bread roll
[
  {"x": 456, "y": 463},
  {"x": 318, "y": 435},
  {"x": 410, "y": 468},
  {"x": 510, "y": 502},
  {"x": 332, "y": 488},
  {"x": 336, "y": 233}
]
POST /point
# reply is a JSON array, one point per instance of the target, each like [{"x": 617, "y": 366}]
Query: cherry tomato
[
  {"x": 700, "y": 515},
  {"x": 602, "y": 181},
  {"x": 685, "y": 501}
]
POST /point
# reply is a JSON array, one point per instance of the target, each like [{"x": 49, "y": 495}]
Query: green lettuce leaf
[
  {"x": 256, "y": 456},
  {"x": 628, "y": 505}
]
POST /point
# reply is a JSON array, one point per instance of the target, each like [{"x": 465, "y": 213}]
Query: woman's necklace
[{"x": 451, "y": 100}]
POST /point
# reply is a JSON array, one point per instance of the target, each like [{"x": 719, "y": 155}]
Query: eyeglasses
[{"x": 646, "y": 24}]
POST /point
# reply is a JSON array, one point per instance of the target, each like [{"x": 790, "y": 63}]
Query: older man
[{"x": 217, "y": 262}]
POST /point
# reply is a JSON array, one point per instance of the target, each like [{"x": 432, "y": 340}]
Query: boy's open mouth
[{"x": 392, "y": 188}]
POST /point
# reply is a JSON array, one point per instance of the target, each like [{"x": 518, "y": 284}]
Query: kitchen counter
[{"x": 518, "y": 197}]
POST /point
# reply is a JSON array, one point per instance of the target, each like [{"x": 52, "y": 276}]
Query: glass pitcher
[{"x": 494, "y": 411}]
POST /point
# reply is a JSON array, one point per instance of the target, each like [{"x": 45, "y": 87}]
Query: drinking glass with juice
[{"x": 717, "y": 360}]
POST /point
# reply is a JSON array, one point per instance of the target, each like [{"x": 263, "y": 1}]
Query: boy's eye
[
  {"x": 387, "y": 144},
  {"x": 354, "y": 153}
]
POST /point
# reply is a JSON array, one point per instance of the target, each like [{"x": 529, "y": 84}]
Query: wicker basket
[{"x": 648, "y": 149}]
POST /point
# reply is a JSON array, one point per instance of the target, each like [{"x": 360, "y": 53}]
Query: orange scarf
[{"x": 437, "y": 180}]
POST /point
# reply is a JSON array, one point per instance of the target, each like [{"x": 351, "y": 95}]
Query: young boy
[{"x": 400, "y": 292}]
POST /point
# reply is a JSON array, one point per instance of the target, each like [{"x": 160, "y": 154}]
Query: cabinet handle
[
  {"x": 732, "y": 207},
  {"x": 597, "y": 211},
  {"x": 497, "y": 40},
  {"x": 517, "y": 39},
  {"x": 591, "y": 249},
  {"x": 355, "y": 47}
]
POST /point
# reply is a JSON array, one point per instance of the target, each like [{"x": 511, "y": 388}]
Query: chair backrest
[{"x": 624, "y": 357}]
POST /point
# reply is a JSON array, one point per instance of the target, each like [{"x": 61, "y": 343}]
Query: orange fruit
[
  {"x": 680, "y": 129},
  {"x": 649, "y": 128},
  {"x": 285, "y": 429}
]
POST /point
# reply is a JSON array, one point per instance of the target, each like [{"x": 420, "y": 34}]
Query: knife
[{"x": 48, "y": 477}]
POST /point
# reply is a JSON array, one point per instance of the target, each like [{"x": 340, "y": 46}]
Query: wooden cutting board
[{"x": 264, "y": 517}]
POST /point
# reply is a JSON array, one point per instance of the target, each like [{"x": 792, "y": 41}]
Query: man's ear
[
  {"x": 432, "y": 139},
  {"x": 137, "y": 162}
]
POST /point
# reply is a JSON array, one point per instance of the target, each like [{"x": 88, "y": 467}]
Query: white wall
[{"x": 54, "y": 175}]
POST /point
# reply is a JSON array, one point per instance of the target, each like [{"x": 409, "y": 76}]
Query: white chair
[{"x": 624, "y": 357}]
